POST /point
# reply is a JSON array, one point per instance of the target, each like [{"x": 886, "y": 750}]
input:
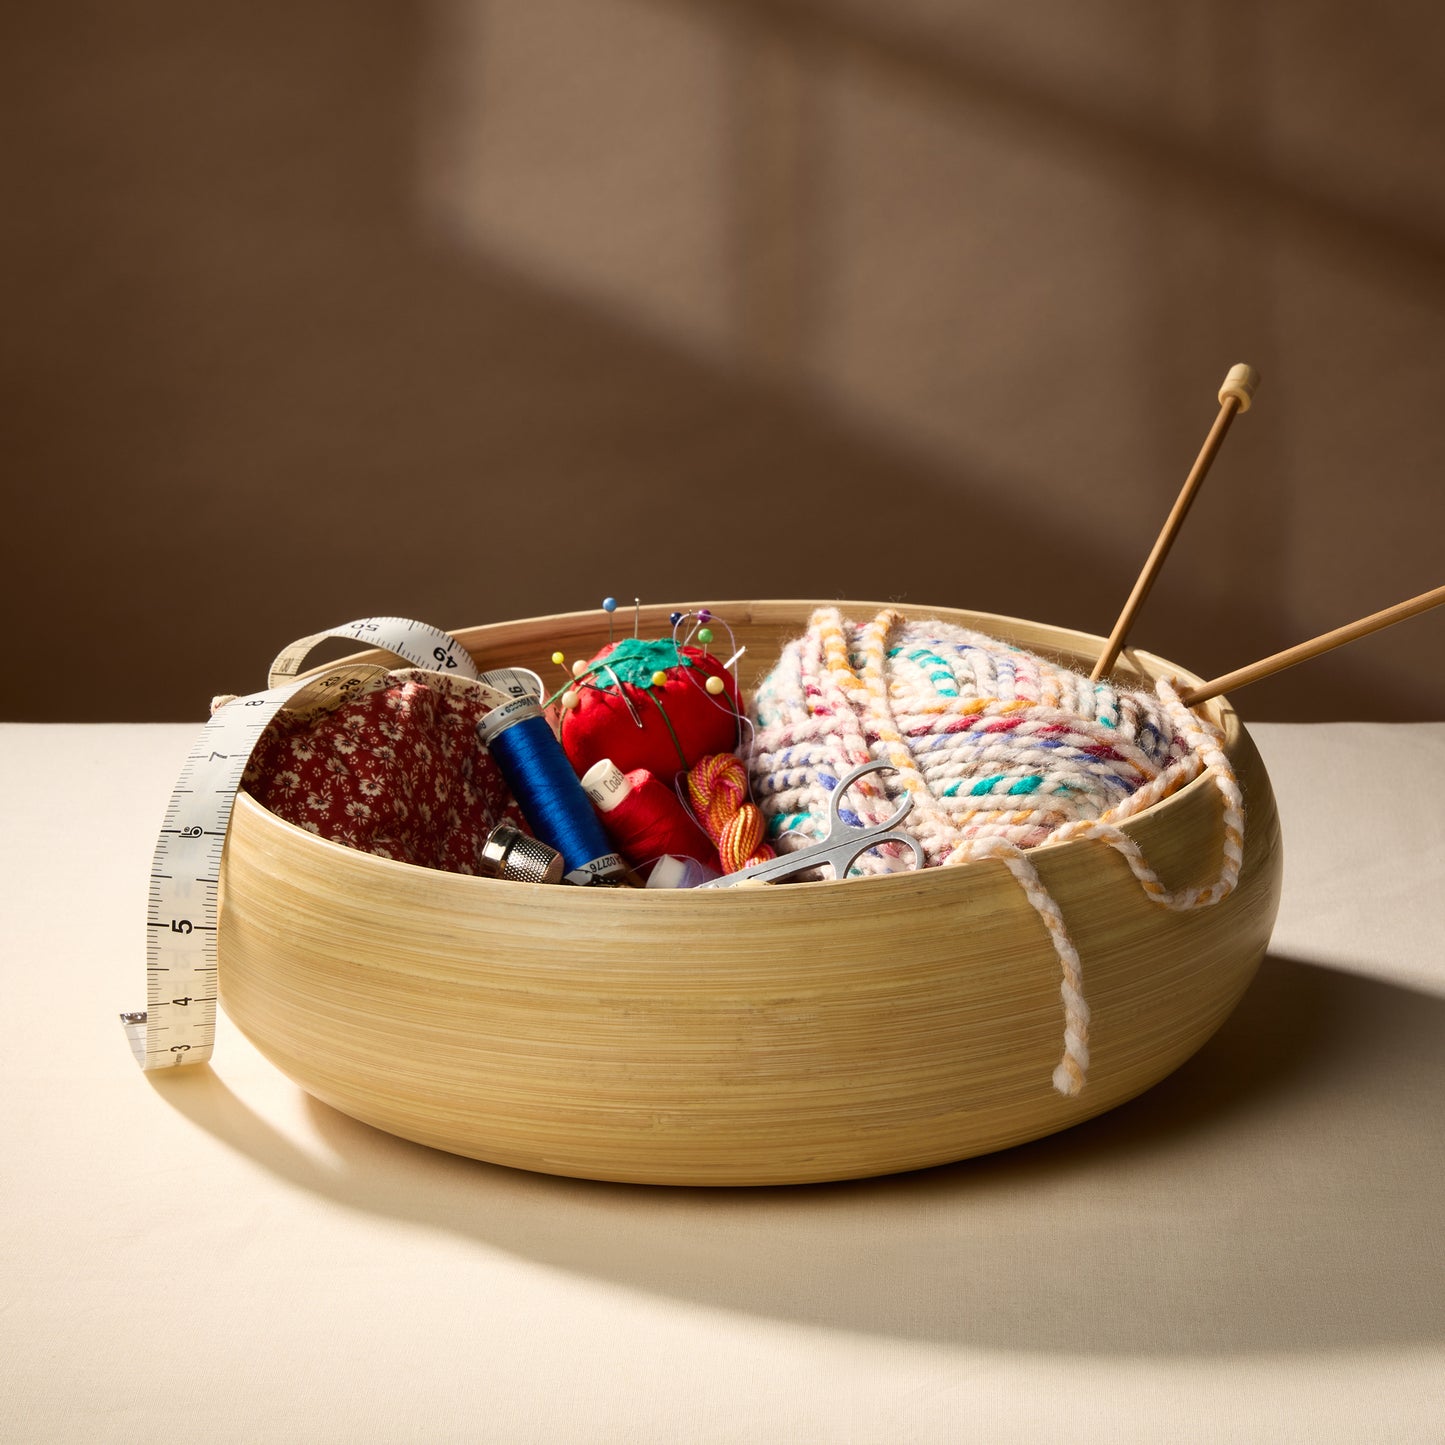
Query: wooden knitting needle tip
[
  {"x": 1236, "y": 394},
  {"x": 1326, "y": 642}
]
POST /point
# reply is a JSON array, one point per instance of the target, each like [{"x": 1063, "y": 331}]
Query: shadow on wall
[
  {"x": 475, "y": 311},
  {"x": 1082, "y": 1243}
]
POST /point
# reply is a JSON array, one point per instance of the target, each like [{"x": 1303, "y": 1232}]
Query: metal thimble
[{"x": 509, "y": 853}]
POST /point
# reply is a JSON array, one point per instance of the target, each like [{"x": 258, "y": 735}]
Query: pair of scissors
[{"x": 843, "y": 846}]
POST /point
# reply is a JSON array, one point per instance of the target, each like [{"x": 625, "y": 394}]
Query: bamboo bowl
[{"x": 781, "y": 1035}]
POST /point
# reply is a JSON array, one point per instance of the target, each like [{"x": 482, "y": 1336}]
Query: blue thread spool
[{"x": 542, "y": 781}]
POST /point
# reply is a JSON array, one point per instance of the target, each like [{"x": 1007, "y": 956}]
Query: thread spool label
[
  {"x": 606, "y": 784},
  {"x": 605, "y": 868},
  {"x": 496, "y": 722}
]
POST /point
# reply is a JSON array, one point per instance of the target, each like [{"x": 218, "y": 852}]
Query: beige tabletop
[{"x": 1252, "y": 1251}]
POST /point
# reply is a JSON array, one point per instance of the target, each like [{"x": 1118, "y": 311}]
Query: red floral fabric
[{"x": 398, "y": 773}]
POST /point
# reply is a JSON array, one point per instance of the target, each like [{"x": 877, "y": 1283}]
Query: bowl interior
[{"x": 763, "y": 627}]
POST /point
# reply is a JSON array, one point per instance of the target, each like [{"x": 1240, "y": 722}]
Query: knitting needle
[
  {"x": 1240, "y": 383},
  {"x": 1268, "y": 666}
]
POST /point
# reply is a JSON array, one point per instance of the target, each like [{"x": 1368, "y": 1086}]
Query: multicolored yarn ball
[
  {"x": 1001, "y": 751},
  {"x": 664, "y": 727},
  {"x": 717, "y": 788}
]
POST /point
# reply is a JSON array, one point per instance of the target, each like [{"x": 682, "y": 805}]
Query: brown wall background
[{"x": 469, "y": 310}]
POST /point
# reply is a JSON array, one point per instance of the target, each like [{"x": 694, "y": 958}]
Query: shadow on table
[{"x": 1284, "y": 1190}]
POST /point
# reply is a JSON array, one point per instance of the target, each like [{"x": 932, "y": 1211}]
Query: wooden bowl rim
[{"x": 1137, "y": 660}]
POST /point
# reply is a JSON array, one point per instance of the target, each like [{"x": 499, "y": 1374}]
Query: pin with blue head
[{"x": 609, "y": 606}]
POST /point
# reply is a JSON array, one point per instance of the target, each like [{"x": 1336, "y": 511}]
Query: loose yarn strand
[{"x": 1073, "y": 1068}]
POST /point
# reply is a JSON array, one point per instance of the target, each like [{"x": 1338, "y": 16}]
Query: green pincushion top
[{"x": 635, "y": 659}]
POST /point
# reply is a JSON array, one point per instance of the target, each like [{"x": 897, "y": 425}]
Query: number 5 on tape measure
[{"x": 178, "y": 1024}]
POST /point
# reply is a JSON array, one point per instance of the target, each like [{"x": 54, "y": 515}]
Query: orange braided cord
[{"x": 717, "y": 787}]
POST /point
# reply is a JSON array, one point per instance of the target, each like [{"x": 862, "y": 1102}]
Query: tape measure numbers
[
  {"x": 414, "y": 642},
  {"x": 178, "y": 1024}
]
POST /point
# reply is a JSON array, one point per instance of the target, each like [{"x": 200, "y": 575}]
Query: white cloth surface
[{"x": 1252, "y": 1251}]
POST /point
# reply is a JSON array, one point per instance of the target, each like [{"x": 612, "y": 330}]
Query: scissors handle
[
  {"x": 842, "y": 847},
  {"x": 844, "y": 856},
  {"x": 835, "y": 800}
]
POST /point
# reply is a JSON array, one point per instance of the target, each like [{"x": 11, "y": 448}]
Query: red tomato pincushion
[{"x": 623, "y": 713}]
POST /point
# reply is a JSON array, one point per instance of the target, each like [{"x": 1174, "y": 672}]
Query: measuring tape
[{"x": 178, "y": 1024}]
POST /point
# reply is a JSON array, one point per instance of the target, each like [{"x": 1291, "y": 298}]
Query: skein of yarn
[
  {"x": 1001, "y": 751},
  {"x": 717, "y": 787}
]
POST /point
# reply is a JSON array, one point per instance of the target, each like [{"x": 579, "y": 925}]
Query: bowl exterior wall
[{"x": 748, "y": 1036}]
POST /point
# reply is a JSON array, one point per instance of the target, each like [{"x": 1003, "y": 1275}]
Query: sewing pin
[
  {"x": 623, "y": 694},
  {"x": 715, "y": 685},
  {"x": 609, "y": 606},
  {"x": 637, "y": 617}
]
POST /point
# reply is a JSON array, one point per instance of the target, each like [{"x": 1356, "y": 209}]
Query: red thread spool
[{"x": 644, "y": 817}]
